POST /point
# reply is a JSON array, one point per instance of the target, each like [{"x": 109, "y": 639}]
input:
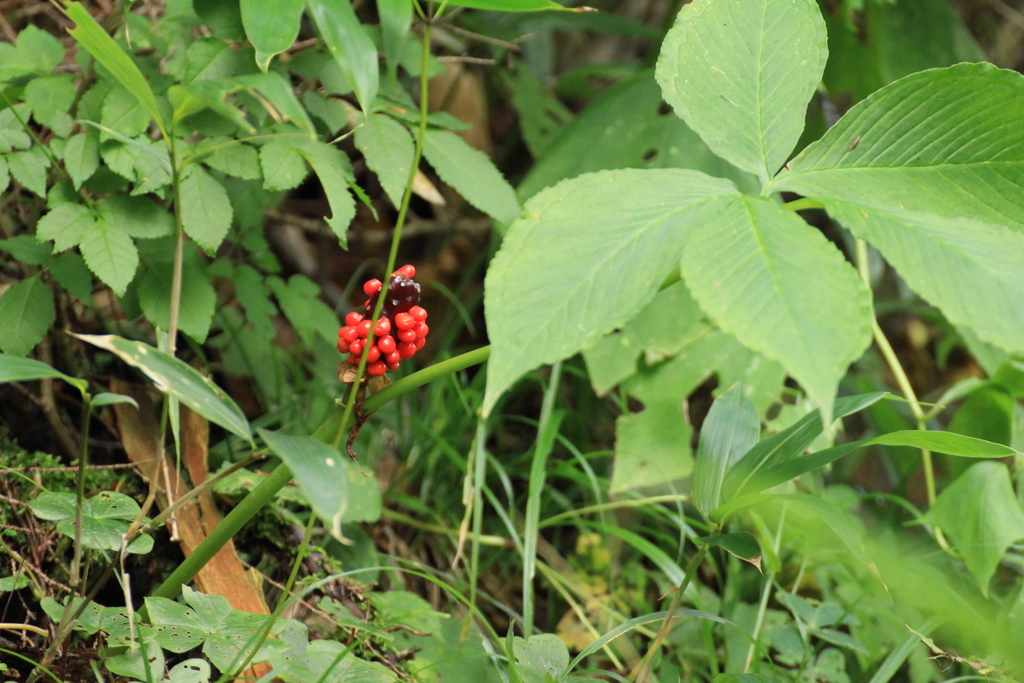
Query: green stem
[
  {"x": 899, "y": 373},
  {"x": 179, "y": 254},
  {"x": 76, "y": 561},
  {"x": 403, "y": 211},
  {"x": 264, "y": 493},
  {"x": 802, "y": 204},
  {"x": 666, "y": 626}
]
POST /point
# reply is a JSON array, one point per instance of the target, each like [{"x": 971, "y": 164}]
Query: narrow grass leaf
[
  {"x": 731, "y": 428},
  {"x": 19, "y": 369},
  {"x": 178, "y": 379},
  {"x": 741, "y": 74}
]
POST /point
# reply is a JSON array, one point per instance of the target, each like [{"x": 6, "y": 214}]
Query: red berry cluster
[{"x": 400, "y": 332}]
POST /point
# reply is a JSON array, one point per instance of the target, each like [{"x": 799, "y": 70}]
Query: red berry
[
  {"x": 357, "y": 346},
  {"x": 342, "y": 346},
  {"x": 418, "y": 313},
  {"x": 386, "y": 344},
  {"x": 372, "y": 287},
  {"x": 394, "y": 357},
  {"x": 348, "y": 333},
  {"x": 363, "y": 328},
  {"x": 406, "y": 350},
  {"x": 420, "y": 343},
  {"x": 404, "y": 321},
  {"x": 408, "y": 272},
  {"x": 406, "y": 335},
  {"x": 392, "y": 366},
  {"x": 421, "y": 330},
  {"x": 373, "y": 355},
  {"x": 353, "y": 318},
  {"x": 376, "y": 369},
  {"x": 353, "y": 359},
  {"x": 383, "y": 327}
]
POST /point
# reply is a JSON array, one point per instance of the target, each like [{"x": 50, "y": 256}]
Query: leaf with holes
[{"x": 105, "y": 518}]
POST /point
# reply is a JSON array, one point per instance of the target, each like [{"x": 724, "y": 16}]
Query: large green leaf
[
  {"x": 731, "y": 428},
  {"x": 177, "y": 378},
  {"x": 944, "y": 141},
  {"x": 388, "y": 149},
  {"x": 27, "y": 311},
  {"x": 350, "y": 45},
  {"x": 971, "y": 270},
  {"x": 101, "y": 46},
  {"x": 982, "y": 516},
  {"x": 741, "y": 74},
  {"x": 750, "y": 269},
  {"x": 318, "y": 472},
  {"x": 586, "y": 256},
  {"x": 626, "y": 127},
  {"x": 271, "y": 26},
  {"x": 470, "y": 172}
]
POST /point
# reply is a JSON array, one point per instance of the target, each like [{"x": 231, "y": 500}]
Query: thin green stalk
[
  {"x": 547, "y": 428},
  {"x": 76, "y": 561},
  {"x": 479, "y": 475},
  {"x": 762, "y": 607},
  {"x": 899, "y": 373},
  {"x": 282, "y": 601},
  {"x": 267, "y": 489},
  {"x": 803, "y": 204},
  {"x": 403, "y": 211},
  {"x": 644, "y": 668},
  {"x": 179, "y": 253}
]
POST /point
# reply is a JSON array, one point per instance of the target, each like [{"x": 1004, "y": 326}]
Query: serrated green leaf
[
  {"x": 351, "y": 47},
  {"x": 283, "y": 167},
  {"x": 18, "y": 369},
  {"x": 27, "y": 249},
  {"x": 334, "y": 171},
  {"x": 972, "y": 271},
  {"x": 271, "y": 26},
  {"x": 36, "y": 51},
  {"x": 191, "y": 98},
  {"x": 5, "y": 175},
  {"x": 395, "y": 20},
  {"x": 943, "y": 141},
  {"x": 300, "y": 302},
  {"x": 66, "y": 225},
  {"x": 110, "y": 254},
  {"x": 82, "y": 157},
  {"x": 472, "y": 174},
  {"x": 741, "y": 267},
  {"x": 71, "y": 273},
  {"x": 388, "y": 149},
  {"x": 124, "y": 113},
  {"x": 206, "y": 210},
  {"x": 741, "y": 76},
  {"x": 235, "y": 159},
  {"x": 177, "y": 378},
  {"x": 731, "y": 428},
  {"x": 29, "y": 169},
  {"x": 317, "y": 471},
  {"x": 636, "y": 224},
  {"x": 254, "y": 296},
  {"x": 100, "y": 45},
  {"x": 982, "y": 516},
  {"x": 136, "y": 216},
  {"x": 27, "y": 311},
  {"x": 50, "y": 97},
  {"x": 198, "y": 300}
]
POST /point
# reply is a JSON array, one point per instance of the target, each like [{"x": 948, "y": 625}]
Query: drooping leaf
[
  {"x": 388, "y": 149},
  {"x": 472, "y": 174},
  {"x": 205, "y": 210},
  {"x": 283, "y": 168},
  {"x": 943, "y": 141},
  {"x": 636, "y": 223},
  {"x": 982, "y": 516},
  {"x": 177, "y": 378},
  {"x": 395, "y": 20},
  {"x": 27, "y": 311},
  {"x": 742, "y": 544},
  {"x": 278, "y": 97},
  {"x": 318, "y": 472},
  {"x": 334, "y": 171},
  {"x": 972, "y": 271},
  {"x": 102, "y": 47},
  {"x": 18, "y": 369},
  {"x": 110, "y": 254},
  {"x": 741, "y": 74},
  {"x": 350, "y": 46},
  {"x": 271, "y": 26},
  {"x": 950, "y": 443},
  {"x": 731, "y": 428},
  {"x": 749, "y": 268}
]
